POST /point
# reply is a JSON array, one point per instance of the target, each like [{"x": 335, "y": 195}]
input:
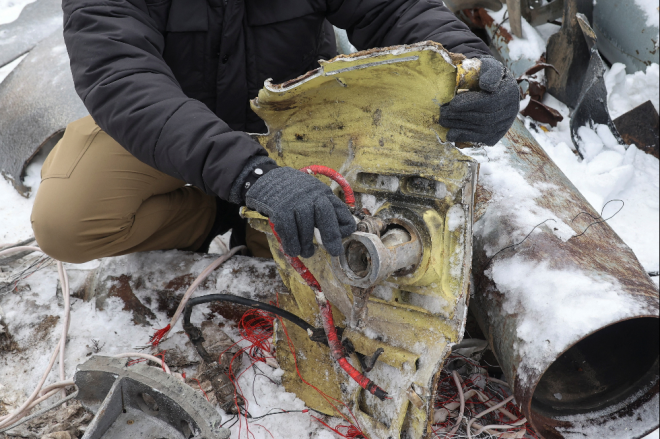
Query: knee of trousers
[{"x": 59, "y": 233}]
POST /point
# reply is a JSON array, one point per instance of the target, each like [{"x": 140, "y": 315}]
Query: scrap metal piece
[
  {"x": 540, "y": 112},
  {"x": 569, "y": 53},
  {"x": 595, "y": 374},
  {"x": 36, "y": 107},
  {"x": 368, "y": 260},
  {"x": 37, "y": 21},
  {"x": 459, "y": 5},
  {"x": 141, "y": 401},
  {"x": 591, "y": 106},
  {"x": 639, "y": 126},
  {"x": 625, "y": 34},
  {"x": 373, "y": 116},
  {"x": 360, "y": 309},
  {"x": 537, "y": 13},
  {"x": 515, "y": 17}
]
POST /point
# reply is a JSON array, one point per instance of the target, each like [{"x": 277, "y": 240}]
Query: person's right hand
[{"x": 296, "y": 203}]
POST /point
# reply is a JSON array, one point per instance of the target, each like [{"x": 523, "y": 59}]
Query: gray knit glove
[
  {"x": 483, "y": 116},
  {"x": 297, "y": 202}
]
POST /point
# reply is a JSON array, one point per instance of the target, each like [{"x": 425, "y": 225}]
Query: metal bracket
[{"x": 142, "y": 402}]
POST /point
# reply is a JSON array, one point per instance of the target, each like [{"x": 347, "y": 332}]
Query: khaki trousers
[{"x": 97, "y": 200}]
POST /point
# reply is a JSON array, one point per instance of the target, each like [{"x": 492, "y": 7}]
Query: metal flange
[{"x": 143, "y": 402}]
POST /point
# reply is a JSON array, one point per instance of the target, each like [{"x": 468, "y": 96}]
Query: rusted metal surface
[
  {"x": 639, "y": 126},
  {"x": 591, "y": 106},
  {"x": 37, "y": 21},
  {"x": 537, "y": 13},
  {"x": 542, "y": 113},
  {"x": 601, "y": 377},
  {"x": 569, "y": 53},
  {"x": 36, "y": 107},
  {"x": 625, "y": 34}
]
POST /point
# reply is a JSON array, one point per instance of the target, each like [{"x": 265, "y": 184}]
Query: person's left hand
[{"x": 486, "y": 115}]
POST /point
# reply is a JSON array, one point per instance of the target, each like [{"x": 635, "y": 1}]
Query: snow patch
[
  {"x": 650, "y": 8},
  {"x": 626, "y": 92},
  {"x": 610, "y": 172},
  {"x": 558, "y": 303},
  {"x": 514, "y": 199},
  {"x": 11, "y": 9},
  {"x": 530, "y": 46}
]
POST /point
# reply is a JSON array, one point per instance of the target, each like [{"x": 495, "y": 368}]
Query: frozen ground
[{"x": 607, "y": 173}]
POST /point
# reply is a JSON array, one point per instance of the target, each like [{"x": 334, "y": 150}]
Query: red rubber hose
[
  {"x": 349, "y": 196},
  {"x": 336, "y": 348}
]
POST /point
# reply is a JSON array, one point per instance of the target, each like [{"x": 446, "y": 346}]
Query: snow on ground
[
  {"x": 15, "y": 209},
  {"x": 114, "y": 329}
]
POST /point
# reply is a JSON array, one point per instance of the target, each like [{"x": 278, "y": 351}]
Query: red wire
[
  {"x": 200, "y": 388},
  {"x": 336, "y": 348},
  {"x": 349, "y": 196},
  {"x": 325, "y": 396}
]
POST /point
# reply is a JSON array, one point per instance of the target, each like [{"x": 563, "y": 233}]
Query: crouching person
[{"x": 164, "y": 161}]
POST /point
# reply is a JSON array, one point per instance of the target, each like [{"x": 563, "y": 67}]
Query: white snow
[
  {"x": 609, "y": 172},
  {"x": 531, "y": 45},
  {"x": 507, "y": 184},
  {"x": 15, "y": 209},
  {"x": 650, "y": 8},
  {"x": 7, "y": 68},
  {"x": 626, "y": 92},
  {"x": 557, "y": 304},
  {"x": 11, "y": 9}
]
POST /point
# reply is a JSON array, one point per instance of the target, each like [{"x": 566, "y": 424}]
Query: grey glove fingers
[
  {"x": 491, "y": 74},
  {"x": 326, "y": 221},
  {"x": 304, "y": 215},
  {"x": 480, "y": 100},
  {"x": 344, "y": 217},
  {"x": 285, "y": 227},
  {"x": 483, "y": 125}
]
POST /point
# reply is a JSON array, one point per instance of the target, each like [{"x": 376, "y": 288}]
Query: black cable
[
  {"x": 247, "y": 302},
  {"x": 195, "y": 334}
]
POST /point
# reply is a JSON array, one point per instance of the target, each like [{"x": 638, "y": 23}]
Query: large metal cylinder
[{"x": 571, "y": 317}]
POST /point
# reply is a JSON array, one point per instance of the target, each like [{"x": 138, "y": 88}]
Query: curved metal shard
[
  {"x": 568, "y": 52},
  {"x": 625, "y": 35},
  {"x": 571, "y": 316},
  {"x": 37, "y": 21},
  {"x": 38, "y": 102},
  {"x": 142, "y": 401},
  {"x": 591, "y": 106}
]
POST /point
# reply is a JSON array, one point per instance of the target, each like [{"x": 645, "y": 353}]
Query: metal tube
[
  {"x": 368, "y": 259},
  {"x": 590, "y": 367}
]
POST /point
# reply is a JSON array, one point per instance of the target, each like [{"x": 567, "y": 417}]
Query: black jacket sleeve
[
  {"x": 381, "y": 23},
  {"x": 116, "y": 50}
]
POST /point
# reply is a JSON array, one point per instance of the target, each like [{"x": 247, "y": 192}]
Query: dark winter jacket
[{"x": 170, "y": 80}]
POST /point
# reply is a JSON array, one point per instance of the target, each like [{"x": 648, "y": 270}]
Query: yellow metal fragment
[{"x": 373, "y": 116}]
